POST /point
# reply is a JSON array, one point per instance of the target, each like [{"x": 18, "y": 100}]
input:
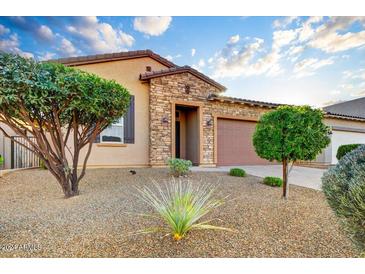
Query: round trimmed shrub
[
  {"x": 237, "y": 172},
  {"x": 273, "y": 181},
  {"x": 1, "y": 159},
  {"x": 344, "y": 149},
  {"x": 179, "y": 167},
  {"x": 344, "y": 188}
]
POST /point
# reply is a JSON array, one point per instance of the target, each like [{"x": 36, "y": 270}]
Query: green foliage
[
  {"x": 292, "y": 133},
  {"x": 1, "y": 159},
  {"x": 50, "y": 101},
  {"x": 273, "y": 181},
  {"x": 180, "y": 205},
  {"x": 344, "y": 149},
  {"x": 238, "y": 172},
  {"x": 43, "y": 87},
  {"x": 179, "y": 167},
  {"x": 344, "y": 188},
  {"x": 42, "y": 165}
]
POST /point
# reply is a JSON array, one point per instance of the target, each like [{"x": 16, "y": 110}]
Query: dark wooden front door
[{"x": 177, "y": 140}]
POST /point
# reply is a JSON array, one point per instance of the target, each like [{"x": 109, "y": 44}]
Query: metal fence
[{"x": 22, "y": 157}]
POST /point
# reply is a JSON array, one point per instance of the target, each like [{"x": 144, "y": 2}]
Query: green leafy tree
[
  {"x": 63, "y": 108},
  {"x": 291, "y": 133}
]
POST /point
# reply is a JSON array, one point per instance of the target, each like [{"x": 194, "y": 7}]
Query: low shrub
[
  {"x": 344, "y": 149},
  {"x": 180, "y": 205},
  {"x": 1, "y": 159},
  {"x": 42, "y": 165},
  {"x": 238, "y": 172},
  {"x": 273, "y": 181},
  {"x": 344, "y": 188},
  {"x": 179, "y": 167}
]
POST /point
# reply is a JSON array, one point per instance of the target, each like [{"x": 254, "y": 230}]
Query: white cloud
[
  {"x": 12, "y": 44},
  {"x": 309, "y": 66},
  {"x": 331, "y": 36},
  {"x": 294, "y": 50},
  {"x": 335, "y": 92},
  {"x": 152, "y": 25},
  {"x": 45, "y": 33},
  {"x": 234, "y": 39},
  {"x": 250, "y": 59},
  {"x": 282, "y": 38},
  {"x": 193, "y": 51},
  {"x": 99, "y": 37},
  {"x": 3, "y": 30},
  {"x": 169, "y": 57},
  {"x": 306, "y": 31},
  {"x": 126, "y": 39},
  {"x": 235, "y": 62},
  {"x": 47, "y": 56},
  {"x": 67, "y": 48},
  {"x": 201, "y": 63},
  {"x": 284, "y": 22}
]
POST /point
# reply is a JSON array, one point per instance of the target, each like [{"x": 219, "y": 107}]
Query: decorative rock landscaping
[{"x": 36, "y": 221}]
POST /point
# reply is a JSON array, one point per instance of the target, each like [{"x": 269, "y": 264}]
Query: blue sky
[{"x": 296, "y": 60}]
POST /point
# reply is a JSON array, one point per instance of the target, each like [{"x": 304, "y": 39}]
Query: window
[{"x": 114, "y": 133}]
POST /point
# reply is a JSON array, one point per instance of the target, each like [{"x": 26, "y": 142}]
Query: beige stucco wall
[{"x": 126, "y": 72}]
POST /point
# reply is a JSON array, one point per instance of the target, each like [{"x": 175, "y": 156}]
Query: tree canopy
[
  {"x": 291, "y": 133},
  {"x": 59, "y": 106}
]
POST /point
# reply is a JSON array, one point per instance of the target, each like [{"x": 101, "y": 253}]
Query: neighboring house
[
  {"x": 350, "y": 129},
  {"x": 179, "y": 112}
]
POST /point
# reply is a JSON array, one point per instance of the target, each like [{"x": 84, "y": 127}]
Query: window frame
[{"x": 119, "y": 123}]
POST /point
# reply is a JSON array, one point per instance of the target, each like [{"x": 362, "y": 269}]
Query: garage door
[
  {"x": 234, "y": 146},
  {"x": 339, "y": 138}
]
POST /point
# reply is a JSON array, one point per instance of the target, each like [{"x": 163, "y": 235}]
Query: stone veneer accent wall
[{"x": 164, "y": 90}]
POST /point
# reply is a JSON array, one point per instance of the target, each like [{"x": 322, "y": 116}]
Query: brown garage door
[{"x": 234, "y": 145}]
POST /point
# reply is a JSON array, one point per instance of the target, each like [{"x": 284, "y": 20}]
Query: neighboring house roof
[
  {"x": 213, "y": 97},
  {"x": 344, "y": 116},
  {"x": 354, "y": 108},
  {"x": 100, "y": 58},
  {"x": 176, "y": 70}
]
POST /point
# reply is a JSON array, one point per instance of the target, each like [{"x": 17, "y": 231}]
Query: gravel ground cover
[{"x": 36, "y": 221}]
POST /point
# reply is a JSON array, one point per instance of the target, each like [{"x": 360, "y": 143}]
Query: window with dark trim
[{"x": 121, "y": 131}]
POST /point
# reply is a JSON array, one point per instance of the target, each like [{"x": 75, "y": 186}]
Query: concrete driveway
[{"x": 301, "y": 176}]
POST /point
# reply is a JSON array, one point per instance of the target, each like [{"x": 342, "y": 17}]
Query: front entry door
[{"x": 177, "y": 141}]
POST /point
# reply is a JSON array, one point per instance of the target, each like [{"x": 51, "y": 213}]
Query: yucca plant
[{"x": 180, "y": 205}]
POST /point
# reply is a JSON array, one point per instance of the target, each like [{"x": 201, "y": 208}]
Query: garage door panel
[
  {"x": 234, "y": 146},
  {"x": 339, "y": 138}
]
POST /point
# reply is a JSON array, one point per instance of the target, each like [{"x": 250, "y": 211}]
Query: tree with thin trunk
[
  {"x": 63, "y": 108},
  {"x": 289, "y": 134}
]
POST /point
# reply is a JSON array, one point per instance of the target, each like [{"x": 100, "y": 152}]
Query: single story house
[
  {"x": 345, "y": 132},
  {"x": 176, "y": 111}
]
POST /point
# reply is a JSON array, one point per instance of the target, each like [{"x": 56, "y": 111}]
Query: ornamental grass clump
[
  {"x": 180, "y": 205},
  {"x": 344, "y": 188}
]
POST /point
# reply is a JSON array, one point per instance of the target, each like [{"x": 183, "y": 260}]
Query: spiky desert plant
[{"x": 180, "y": 205}]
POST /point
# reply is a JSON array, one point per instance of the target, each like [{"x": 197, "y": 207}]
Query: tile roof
[
  {"x": 183, "y": 69},
  {"x": 99, "y": 58},
  {"x": 344, "y": 116},
  {"x": 353, "y": 108},
  {"x": 213, "y": 97}
]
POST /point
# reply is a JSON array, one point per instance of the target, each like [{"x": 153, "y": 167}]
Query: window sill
[{"x": 110, "y": 145}]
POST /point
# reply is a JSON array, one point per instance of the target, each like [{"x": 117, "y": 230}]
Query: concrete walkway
[{"x": 301, "y": 176}]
